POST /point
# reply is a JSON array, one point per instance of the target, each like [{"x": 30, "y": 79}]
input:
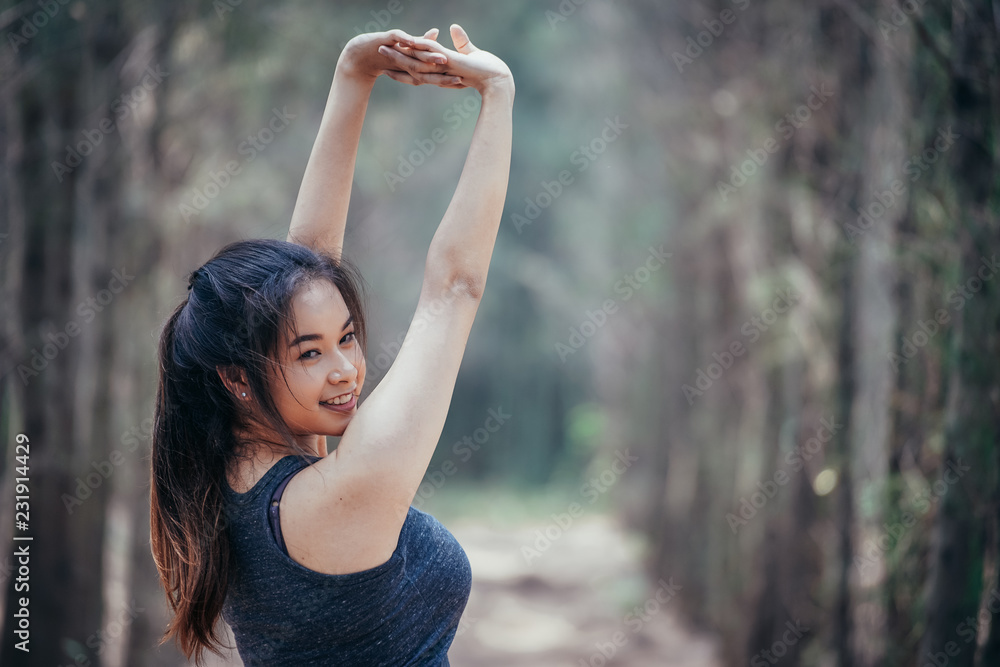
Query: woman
[{"x": 317, "y": 558}]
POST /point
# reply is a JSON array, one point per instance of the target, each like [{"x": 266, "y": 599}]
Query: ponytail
[
  {"x": 238, "y": 306},
  {"x": 187, "y": 533}
]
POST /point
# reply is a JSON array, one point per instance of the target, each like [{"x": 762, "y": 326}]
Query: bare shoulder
[{"x": 329, "y": 523}]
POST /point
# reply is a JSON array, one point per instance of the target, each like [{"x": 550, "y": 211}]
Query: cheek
[{"x": 300, "y": 383}]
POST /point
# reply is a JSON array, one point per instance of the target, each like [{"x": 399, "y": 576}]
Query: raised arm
[
  {"x": 374, "y": 473},
  {"x": 463, "y": 244},
  {"x": 320, "y": 213}
]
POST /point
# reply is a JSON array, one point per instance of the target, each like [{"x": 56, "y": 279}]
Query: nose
[{"x": 343, "y": 368}]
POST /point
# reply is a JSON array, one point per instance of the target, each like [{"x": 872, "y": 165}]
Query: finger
[
  {"x": 417, "y": 79},
  {"x": 406, "y": 63},
  {"x": 461, "y": 39},
  {"x": 425, "y": 56},
  {"x": 401, "y": 37},
  {"x": 443, "y": 80},
  {"x": 422, "y": 44},
  {"x": 441, "y": 52},
  {"x": 431, "y": 34},
  {"x": 402, "y": 77}
]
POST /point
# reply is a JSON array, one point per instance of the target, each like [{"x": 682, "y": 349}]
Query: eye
[
  {"x": 307, "y": 352},
  {"x": 348, "y": 335}
]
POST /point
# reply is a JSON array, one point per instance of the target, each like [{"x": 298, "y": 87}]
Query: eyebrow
[{"x": 308, "y": 337}]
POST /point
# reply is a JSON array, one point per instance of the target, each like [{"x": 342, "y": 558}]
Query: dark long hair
[{"x": 237, "y": 308}]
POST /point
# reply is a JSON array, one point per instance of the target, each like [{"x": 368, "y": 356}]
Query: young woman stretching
[{"x": 266, "y": 357}]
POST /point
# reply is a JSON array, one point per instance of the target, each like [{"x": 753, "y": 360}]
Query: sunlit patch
[
  {"x": 515, "y": 628},
  {"x": 825, "y": 482},
  {"x": 724, "y": 103},
  {"x": 495, "y": 564}
]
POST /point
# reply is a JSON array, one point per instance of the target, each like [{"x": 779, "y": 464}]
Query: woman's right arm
[{"x": 386, "y": 449}]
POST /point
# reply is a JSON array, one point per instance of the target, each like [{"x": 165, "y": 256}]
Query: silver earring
[{"x": 244, "y": 394}]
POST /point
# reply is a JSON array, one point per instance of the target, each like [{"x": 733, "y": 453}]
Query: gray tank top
[{"x": 403, "y": 612}]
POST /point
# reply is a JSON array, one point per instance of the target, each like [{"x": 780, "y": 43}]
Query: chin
[{"x": 338, "y": 430}]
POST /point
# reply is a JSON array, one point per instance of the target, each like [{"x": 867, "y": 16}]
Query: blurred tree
[{"x": 966, "y": 526}]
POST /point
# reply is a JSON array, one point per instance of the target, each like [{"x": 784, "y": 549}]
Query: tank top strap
[{"x": 275, "y": 504}]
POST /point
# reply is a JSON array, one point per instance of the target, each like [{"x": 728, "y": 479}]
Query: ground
[{"x": 580, "y": 601}]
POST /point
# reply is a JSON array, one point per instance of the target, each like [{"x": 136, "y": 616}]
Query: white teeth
[{"x": 340, "y": 400}]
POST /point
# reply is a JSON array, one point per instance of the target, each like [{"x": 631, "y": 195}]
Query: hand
[
  {"x": 477, "y": 68},
  {"x": 371, "y": 54}
]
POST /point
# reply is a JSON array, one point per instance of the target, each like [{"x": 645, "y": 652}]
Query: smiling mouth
[{"x": 346, "y": 406}]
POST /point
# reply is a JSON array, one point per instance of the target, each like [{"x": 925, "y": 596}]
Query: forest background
[{"x": 750, "y": 246}]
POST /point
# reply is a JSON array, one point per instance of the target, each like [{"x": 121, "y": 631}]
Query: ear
[{"x": 235, "y": 380}]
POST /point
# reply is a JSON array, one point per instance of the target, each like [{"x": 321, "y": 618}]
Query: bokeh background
[{"x": 740, "y": 330}]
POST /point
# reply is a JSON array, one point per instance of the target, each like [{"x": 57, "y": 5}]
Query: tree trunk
[{"x": 969, "y": 502}]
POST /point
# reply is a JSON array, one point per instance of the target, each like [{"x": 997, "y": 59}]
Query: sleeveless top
[{"x": 403, "y": 612}]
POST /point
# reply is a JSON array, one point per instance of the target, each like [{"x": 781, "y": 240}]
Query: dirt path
[{"x": 577, "y": 600}]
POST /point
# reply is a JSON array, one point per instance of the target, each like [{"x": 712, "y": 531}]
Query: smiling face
[{"x": 323, "y": 364}]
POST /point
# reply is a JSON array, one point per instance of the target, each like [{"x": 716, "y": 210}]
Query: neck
[
  {"x": 266, "y": 446},
  {"x": 314, "y": 443}
]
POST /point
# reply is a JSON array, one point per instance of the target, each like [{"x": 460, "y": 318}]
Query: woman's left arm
[{"x": 320, "y": 213}]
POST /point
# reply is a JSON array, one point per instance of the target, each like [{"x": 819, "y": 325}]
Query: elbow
[
  {"x": 464, "y": 285},
  {"x": 448, "y": 284},
  {"x": 451, "y": 273},
  {"x": 469, "y": 286}
]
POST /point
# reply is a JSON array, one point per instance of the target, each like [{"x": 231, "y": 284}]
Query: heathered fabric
[{"x": 403, "y": 612}]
